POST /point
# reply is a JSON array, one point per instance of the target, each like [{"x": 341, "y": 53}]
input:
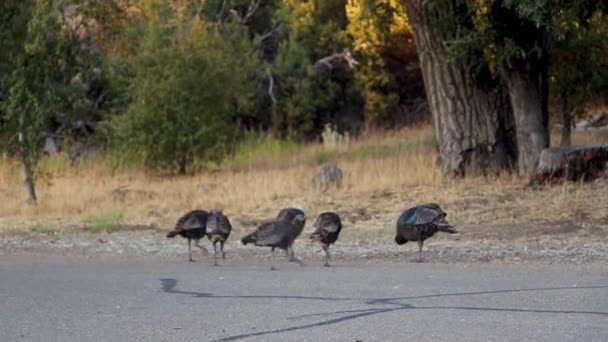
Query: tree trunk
[
  {"x": 567, "y": 122},
  {"x": 471, "y": 113},
  {"x": 530, "y": 118},
  {"x": 566, "y": 118},
  {"x": 28, "y": 176}
]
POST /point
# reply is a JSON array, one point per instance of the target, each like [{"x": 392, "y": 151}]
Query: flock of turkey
[{"x": 415, "y": 224}]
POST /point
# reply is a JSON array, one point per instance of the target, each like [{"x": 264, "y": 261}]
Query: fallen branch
[{"x": 573, "y": 163}]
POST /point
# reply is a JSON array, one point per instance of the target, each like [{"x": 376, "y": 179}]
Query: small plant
[
  {"x": 333, "y": 140},
  {"x": 323, "y": 156},
  {"x": 44, "y": 229},
  {"x": 103, "y": 223}
]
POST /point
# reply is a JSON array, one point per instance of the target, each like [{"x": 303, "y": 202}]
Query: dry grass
[{"x": 383, "y": 175}]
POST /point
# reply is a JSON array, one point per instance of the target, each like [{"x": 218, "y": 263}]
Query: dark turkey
[
  {"x": 191, "y": 226},
  {"x": 420, "y": 223},
  {"x": 289, "y": 215},
  {"x": 327, "y": 229},
  {"x": 218, "y": 230},
  {"x": 275, "y": 234}
]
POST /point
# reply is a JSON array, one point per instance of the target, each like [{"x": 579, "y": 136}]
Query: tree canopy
[{"x": 176, "y": 84}]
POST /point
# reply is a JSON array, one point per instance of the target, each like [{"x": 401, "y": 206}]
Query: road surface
[{"x": 51, "y": 298}]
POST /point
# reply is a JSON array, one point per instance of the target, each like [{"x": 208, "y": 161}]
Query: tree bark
[
  {"x": 472, "y": 116},
  {"x": 527, "y": 76},
  {"x": 530, "y": 118},
  {"x": 28, "y": 176},
  {"x": 566, "y": 118},
  {"x": 567, "y": 122}
]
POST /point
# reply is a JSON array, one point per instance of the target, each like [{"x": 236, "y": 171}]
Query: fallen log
[{"x": 572, "y": 163}]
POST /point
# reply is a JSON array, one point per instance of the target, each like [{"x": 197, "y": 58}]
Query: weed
[{"x": 103, "y": 223}]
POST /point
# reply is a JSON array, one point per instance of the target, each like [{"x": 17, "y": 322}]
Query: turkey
[
  {"x": 289, "y": 215},
  {"x": 275, "y": 234},
  {"x": 191, "y": 226},
  {"x": 420, "y": 223},
  {"x": 218, "y": 230},
  {"x": 327, "y": 230}
]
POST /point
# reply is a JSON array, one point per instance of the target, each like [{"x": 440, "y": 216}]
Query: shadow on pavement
[{"x": 169, "y": 285}]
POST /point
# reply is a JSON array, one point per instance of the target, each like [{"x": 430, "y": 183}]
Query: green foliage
[
  {"x": 383, "y": 36},
  {"x": 50, "y": 75},
  {"x": 42, "y": 70},
  {"x": 579, "y": 71},
  {"x": 103, "y": 223},
  {"x": 47, "y": 229},
  {"x": 308, "y": 93},
  {"x": 297, "y": 92},
  {"x": 188, "y": 86},
  {"x": 323, "y": 156},
  {"x": 260, "y": 148}
]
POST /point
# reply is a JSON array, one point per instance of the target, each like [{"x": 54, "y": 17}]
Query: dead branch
[
  {"x": 345, "y": 55},
  {"x": 221, "y": 12},
  {"x": 270, "y": 85},
  {"x": 253, "y": 7},
  {"x": 271, "y": 32}
]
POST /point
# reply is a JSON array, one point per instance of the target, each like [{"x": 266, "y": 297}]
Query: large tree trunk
[
  {"x": 527, "y": 76},
  {"x": 472, "y": 116},
  {"x": 565, "y": 110},
  {"x": 28, "y": 176},
  {"x": 567, "y": 122},
  {"x": 532, "y": 133}
]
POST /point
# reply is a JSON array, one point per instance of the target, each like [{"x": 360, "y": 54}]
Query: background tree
[
  {"x": 579, "y": 73},
  {"x": 48, "y": 62},
  {"x": 181, "y": 113},
  {"x": 388, "y": 74},
  {"x": 472, "y": 116},
  {"x": 512, "y": 40}
]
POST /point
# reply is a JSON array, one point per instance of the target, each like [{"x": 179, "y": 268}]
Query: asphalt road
[{"x": 45, "y": 298}]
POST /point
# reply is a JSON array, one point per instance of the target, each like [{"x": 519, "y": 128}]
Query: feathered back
[
  {"x": 290, "y": 215},
  {"x": 218, "y": 225},
  {"x": 421, "y": 222},
  {"x": 327, "y": 228},
  {"x": 419, "y": 215},
  {"x": 274, "y": 233},
  {"x": 191, "y": 223}
]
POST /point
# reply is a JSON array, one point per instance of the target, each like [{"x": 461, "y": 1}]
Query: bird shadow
[{"x": 390, "y": 304}]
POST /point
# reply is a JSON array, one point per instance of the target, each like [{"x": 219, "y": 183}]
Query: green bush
[{"x": 188, "y": 85}]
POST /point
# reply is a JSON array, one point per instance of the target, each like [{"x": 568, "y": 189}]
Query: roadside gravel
[{"x": 566, "y": 250}]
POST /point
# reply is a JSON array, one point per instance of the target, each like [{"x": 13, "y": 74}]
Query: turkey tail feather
[
  {"x": 251, "y": 238},
  {"x": 400, "y": 240},
  {"x": 172, "y": 234}
]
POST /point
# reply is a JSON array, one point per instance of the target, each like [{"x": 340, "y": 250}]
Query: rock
[{"x": 330, "y": 175}]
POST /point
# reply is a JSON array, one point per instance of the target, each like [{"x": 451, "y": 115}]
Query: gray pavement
[{"x": 53, "y": 298}]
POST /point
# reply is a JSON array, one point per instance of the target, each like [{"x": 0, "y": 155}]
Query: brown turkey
[
  {"x": 275, "y": 234},
  {"x": 327, "y": 229},
  {"x": 420, "y": 223},
  {"x": 191, "y": 226},
  {"x": 218, "y": 230}
]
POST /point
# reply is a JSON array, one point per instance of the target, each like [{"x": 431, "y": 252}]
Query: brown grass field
[{"x": 383, "y": 174}]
